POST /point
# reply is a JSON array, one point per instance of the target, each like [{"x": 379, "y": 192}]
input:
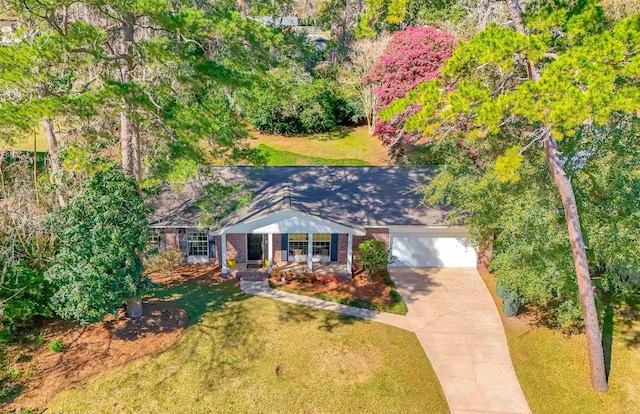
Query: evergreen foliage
[
  {"x": 101, "y": 235},
  {"x": 487, "y": 119}
]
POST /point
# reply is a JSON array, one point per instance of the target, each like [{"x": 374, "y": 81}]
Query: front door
[{"x": 254, "y": 247}]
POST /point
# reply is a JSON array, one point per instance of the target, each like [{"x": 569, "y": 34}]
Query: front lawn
[
  {"x": 378, "y": 293},
  {"x": 250, "y": 354},
  {"x": 553, "y": 368}
]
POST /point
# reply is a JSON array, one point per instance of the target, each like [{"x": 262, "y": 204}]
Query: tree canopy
[{"x": 532, "y": 122}]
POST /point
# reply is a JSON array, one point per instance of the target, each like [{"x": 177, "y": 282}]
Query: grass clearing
[
  {"x": 26, "y": 143},
  {"x": 287, "y": 158},
  {"x": 250, "y": 354},
  {"x": 553, "y": 368},
  {"x": 343, "y": 143}
]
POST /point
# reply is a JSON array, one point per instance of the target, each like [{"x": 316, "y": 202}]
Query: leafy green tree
[
  {"x": 546, "y": 94},
  {"x": 374, "y": 256},
  {"x": 165, "y": 72},
  {"x": 295, "y": 104},
  {"x": 25, "y": 245},
  {"x": 101, "y": 235}
]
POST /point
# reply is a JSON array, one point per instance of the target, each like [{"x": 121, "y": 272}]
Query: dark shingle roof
[{"x": 352, "y": 196}]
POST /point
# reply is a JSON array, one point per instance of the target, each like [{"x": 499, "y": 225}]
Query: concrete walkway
[
  {"x": 262, "y": 288},
  {"x": 457, "y": 324}
]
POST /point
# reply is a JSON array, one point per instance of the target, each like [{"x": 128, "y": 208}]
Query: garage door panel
[{"x": 420, "y": 250}]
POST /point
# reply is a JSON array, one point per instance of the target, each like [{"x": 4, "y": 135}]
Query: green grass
[
  {"x": 553, "y": 368},
  {"x": 286, "y": 158},
  {"x": 344, "y": 144},
  {"x": 226, "y": 362},
  {"x": 26, "y": 143}
]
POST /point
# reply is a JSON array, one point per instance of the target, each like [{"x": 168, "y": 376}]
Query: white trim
[
  {"x": 223, "y": 253},
  {"x": 448, "y": 231},
  {"x": 270, "y": 251},
  {"x": 310, "y": 252},
  {"x": 286, "y": 221}
]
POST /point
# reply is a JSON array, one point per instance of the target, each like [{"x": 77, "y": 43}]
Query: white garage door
[{"x": 432, "y": 249}]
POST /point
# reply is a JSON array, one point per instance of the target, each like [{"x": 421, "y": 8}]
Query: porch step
[{"x": 252, "y": 276}]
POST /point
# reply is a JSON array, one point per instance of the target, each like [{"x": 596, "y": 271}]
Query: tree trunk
[
  {"x": 134, "y": 308},
  {"x": 126, "y": 126},
  {"x": 125, "y": 142},
  {"x": 587, "y": 299},
  {"x": 562, "y": 182},
  {"x": 56, "y": 166},
  {"x": 136, "y": 156}
]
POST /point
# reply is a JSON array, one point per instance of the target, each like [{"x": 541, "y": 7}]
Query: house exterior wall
[
  {"x": 237, "y": 247},
  {"x": 171, "y": 237},
  {"x": 277, "y": 248},
  {"x": 343, "y": 243},
  {"x": 378, "y": 233},
  {"x": 237, "y": 244}
]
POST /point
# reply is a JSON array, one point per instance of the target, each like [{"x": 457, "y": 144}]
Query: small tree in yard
[
  {"x": 374, "y": 256},
  {"x": 100, "y": 234}
]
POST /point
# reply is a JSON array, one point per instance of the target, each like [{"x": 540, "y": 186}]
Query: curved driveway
[{"x": 458, "y": 325}]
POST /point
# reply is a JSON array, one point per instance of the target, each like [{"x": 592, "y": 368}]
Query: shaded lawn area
[
  {"x": 286, "y": 158},
  {"x": 377, "y": 294},
  {"x": 250, "y": 354},
  {"x": 25, "y": 143},
  {"x": 553, "y": 368},
  {"x": 344, "y": 144}
]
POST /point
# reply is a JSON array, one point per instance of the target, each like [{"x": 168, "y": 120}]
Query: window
[
  {"x": 197, "y": 243},
  {"x": 321, "y": 244},
  {"x": 156, "y": 239},
  {"x": 298, "y": 244}
]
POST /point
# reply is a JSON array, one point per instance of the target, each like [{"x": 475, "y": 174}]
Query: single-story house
[{"x": 310, "y": 217}]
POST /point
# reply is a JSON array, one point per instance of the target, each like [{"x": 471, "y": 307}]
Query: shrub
[
  {"x": 57, "y": 345},
  {"x": 165, "y": 261},
  {"x": 101, "y": 235},
  {"x": 299, "y": 104},
  {"x": 374, "y": 256}
]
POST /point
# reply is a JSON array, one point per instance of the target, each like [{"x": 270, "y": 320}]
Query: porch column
[
  {"x": 223, "y": 255},
  {"x": 270, "y": 251},
  {"x": 349, "y": 252},
  {"x": 309, "y": 255}
]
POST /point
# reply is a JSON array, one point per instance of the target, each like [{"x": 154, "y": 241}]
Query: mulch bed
[
  {"x": 359, "y": 288},
  {"x": 101, "y": 346}
]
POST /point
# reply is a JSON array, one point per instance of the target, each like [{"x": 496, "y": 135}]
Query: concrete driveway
[{"x": 458, "y": 325}]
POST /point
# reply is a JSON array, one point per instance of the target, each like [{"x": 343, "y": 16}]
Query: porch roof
[{"x": 289, "y": 220}]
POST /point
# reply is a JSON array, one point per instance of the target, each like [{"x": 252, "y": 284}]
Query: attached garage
[{"x": 431, "y": 247}]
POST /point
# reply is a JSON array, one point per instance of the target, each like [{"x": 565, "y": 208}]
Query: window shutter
[
  {"x": 284, "y": 246},
  {"x": 334, "y": 247},
  {"x": 163, "y": 241},
  {"x": 212, "y": 247}
]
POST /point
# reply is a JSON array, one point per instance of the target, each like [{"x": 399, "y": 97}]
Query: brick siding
[
  {"x": 277, "y": 247},
  {"x": 237, "y": 247}
]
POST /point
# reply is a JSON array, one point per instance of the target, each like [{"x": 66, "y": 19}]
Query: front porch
[
  {"x": 319, "y": 268},
  {"x": 290, "y": 240}
]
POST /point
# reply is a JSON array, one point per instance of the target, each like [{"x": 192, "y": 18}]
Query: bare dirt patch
[{"x": 101, "y": 346}]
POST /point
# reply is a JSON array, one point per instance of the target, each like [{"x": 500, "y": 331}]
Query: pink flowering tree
[{"x": 413, "y": 56}]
